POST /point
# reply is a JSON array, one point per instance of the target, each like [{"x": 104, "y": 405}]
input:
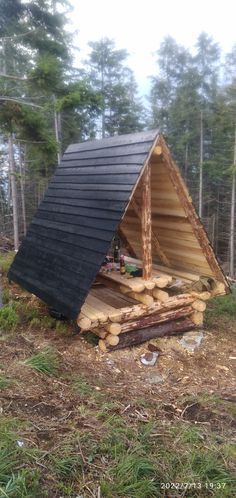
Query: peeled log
[
  {"x": 112, "y": 340},
  {"x": 113, "y": 328},
  {"x": 204, "y": 296},
  {"x": 93, "y": 314},
  {"x": 161, "y": 282},
  {"x": 199, "y": 305},
  {"x": 160, "y": 295},
  {"x": 142, "y": 298},
  {"x": 84, "y": 323},
  {"x": 131, "y": 283},
  {"x": 146, "y": 223},
  {"x": 149, "y": 284},
  {"x": 138, "y": 336},
  {"x": 219, "y": 289},
  {"x": 113, "y": 314},
  {"x": 152, "y": 320},
  {"x": 197, "y": 318}
]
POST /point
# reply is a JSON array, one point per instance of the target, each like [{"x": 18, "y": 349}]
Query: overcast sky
[{"x": 140, "y": 26}]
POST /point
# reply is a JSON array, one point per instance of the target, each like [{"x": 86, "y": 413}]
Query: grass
[
  {"x": 9, "y": 318},
  {"x": 67, "y": 461},
  {"x": 82, "y": 386},
  {"x": 138, "y": 461},
  {"x": 4, "y": 382},
  {"x": 126, "y": 461},
  {"x": 133, "y": 476},
  {"x": 6, "y": 261},
  {"x": 222, "y": 307},
  {"x": 18, "y": 477},
  {"x": 6, "y": 295},
  {"x": 45, "y": 362}
]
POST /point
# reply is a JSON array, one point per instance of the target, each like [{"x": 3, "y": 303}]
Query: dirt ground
[
  {"x": 120, "y": 376},
  {"x": 181, "y": 387}
]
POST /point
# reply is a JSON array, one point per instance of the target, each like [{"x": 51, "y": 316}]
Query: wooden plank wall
[{"x": 169, "y": 223}]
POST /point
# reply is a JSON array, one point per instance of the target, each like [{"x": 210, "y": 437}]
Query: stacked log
[{"x": 133, "y": 309}]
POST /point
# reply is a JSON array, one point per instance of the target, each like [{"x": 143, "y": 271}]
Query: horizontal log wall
[{"x": 138, "y": 336}]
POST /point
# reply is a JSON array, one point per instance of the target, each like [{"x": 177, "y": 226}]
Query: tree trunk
[
  {"x": 232, "y": 215},
  {"x": 13, "y": 191},
  {"x": 57, "y": 132},
  {"x": 22, "y": 190},
  {"x": 201, "y": 167},
  {"x": 186, "y": 164}
]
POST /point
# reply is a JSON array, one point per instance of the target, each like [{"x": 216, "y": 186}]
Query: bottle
[
  {"x": 116, "y": 249},
  {"x": 122, "y": 265},
  {"x": 116, "y": 253}
]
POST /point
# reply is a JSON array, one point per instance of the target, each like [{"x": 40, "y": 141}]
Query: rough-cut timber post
[
  {"x": 142, "y": 335},
  {"x": 146, "y": 223}
]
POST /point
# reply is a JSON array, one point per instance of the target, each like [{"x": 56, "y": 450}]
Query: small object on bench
[{"x": 137, "y": 273}]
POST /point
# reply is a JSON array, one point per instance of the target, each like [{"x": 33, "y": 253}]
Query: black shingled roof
[{"x": 72, "y": 230}]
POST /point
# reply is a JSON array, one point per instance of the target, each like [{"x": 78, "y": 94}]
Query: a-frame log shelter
[{"x": 128, "y": 185}]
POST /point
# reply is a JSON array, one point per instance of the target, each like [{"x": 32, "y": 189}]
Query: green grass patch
[
  {"x": 107, "y": 408},
  {"x": 221, "y": 307},
  {"x": 47, "y": 322},
  {"x": 34, "y": 323},
  {"x": 67, "y": 462},
  {"x": 133, "y": 476},
  {"x": 27, "y": 312},
  {"x": 4, "y": 382},
  {"x": 62, "y": 328},
  {"x": 45, "y": 362},
  {"x": 9, "y": 318},
  {"x": 6, "y": 259},
  {"x": 142, "y": 456},
  {"x": 18, "y": 477},
  {"x": 82, "y": 386},
  {"x": 6, "y": 295}
]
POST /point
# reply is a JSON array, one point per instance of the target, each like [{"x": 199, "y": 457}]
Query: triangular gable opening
[{"x": 178, "y": 239}]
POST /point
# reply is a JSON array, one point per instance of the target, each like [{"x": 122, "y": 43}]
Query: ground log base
[{"x": 138, "y": 336}]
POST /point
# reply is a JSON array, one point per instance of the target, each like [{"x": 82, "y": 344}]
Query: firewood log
[
  {"x": 113, "y": 328},
  {"x": 218, "y": 289},
  {"x": 141, "y": 297},
  {"x": 142, "y": 335},
  {"x": 83, "y": 322},
  {"x": 112, "y": 340},
  {"x": 160, "y": 295},
  {"x": 199, "y": 305},
  {"x": 204, "y": 296},
  {"x": 155, "y": 319},
  {"x": 197, "y": 318},
  {"x": 161, "y": 282}
]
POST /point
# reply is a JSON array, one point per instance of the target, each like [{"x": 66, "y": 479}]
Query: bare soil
[
  {"x": 53, "y": 407},
  {"x": 120, "y": 376}
]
